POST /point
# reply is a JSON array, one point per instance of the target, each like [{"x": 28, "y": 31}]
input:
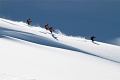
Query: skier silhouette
[
  {"x": 28, "y": 21},
  {"x": 51, "y": 29},
  {"x": 46, "y": 27},
  {"x": 92, "y": 38}
]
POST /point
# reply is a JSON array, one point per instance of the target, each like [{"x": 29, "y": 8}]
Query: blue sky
[{"x": 77, "y": 18}]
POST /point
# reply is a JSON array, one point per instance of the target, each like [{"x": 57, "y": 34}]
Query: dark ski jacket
[
  {"x": 28, "y": 21},
  {"x": 46, "y": 26},
  {"x": 92, "y": 38},
  {"x": 51, "y": 29}
]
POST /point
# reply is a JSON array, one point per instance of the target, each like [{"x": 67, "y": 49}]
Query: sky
[{"x": 77, "y": 18}]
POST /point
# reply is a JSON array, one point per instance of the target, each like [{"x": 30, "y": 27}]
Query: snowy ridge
[
  {"x": 34, "y": 53},
  {"x": 22, "y": 31}
]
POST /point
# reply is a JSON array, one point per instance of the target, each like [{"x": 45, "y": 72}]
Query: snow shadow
[
  {"x": 34, "y": 38},
  {"x": 53, "y": 35},
  {"x": 30, "y": 37}
]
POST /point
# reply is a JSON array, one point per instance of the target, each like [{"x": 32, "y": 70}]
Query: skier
[
  {"x": 92, "y": 38},
  {"x": 46, "y": 27},
  {"x": 51, "y": 29},
  {"x": 28, "y": 21}
]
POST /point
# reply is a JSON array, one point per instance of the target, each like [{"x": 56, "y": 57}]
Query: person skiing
[
  {"x": 51, "y": 29},
  {"x": 28, "y": 21},
  {"x": 92, "y": 38},
  {"x": 46, "y": 27}
]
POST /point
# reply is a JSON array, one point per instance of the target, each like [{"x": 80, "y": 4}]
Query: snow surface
[{"x": 32, "y": 53}]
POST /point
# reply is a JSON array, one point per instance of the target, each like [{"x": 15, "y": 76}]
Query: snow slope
[{"x": 32, "y": 53}]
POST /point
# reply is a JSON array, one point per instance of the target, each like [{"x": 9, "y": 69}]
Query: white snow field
[{"x": 33, "y": 53}]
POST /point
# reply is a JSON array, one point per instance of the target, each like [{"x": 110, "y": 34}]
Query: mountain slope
[
  {"x": 39, "y": 35},
  {"x": 32, "y": 53}
]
